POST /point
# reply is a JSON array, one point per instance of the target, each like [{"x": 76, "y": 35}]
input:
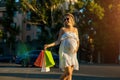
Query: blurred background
[{"x": 27, "y": 25}]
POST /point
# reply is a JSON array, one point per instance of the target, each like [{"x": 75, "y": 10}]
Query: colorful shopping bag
[
  {"x": 44, "y": 68},
  {"x": 39, "y": 60},
  {"x": 49, "y": 61}
]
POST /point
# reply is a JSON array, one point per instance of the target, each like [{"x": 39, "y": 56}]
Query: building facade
[{"x": 28, "y": 32}]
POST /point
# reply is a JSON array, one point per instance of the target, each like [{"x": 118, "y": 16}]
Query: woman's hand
[{"x": 46, "y": 46}]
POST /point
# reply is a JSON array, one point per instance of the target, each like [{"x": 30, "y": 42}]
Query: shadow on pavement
[{"x": 52, "y": 76}]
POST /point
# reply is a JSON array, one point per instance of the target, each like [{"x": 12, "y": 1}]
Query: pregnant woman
[{"x": 69, "y": 44}]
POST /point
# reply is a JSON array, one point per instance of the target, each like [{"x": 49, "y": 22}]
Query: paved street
[{"x": 86, "y": 72}]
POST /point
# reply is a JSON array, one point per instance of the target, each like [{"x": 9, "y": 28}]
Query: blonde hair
[{"x": 71, "y": 15}]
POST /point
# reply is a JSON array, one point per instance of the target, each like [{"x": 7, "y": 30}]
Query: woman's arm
[
  {"x": 78, "y": 41},
  {"x": 56, "y": 42}
]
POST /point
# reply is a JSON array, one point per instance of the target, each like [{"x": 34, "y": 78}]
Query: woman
[{"x": 69, "y": 44}]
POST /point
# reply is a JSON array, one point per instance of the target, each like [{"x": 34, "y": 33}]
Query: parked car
[
  {"x": 6, "y": 58},
  {"x": 28, "y": 58}
]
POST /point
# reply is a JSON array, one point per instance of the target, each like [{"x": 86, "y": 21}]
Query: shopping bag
[
  {"x": 39, "y": 61},
  {"x": 49, "y": 61},
  {"x": 44, "y": 68}
]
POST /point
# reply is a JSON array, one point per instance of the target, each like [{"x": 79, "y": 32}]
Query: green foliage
[
  {"x": 95, "y": 9},
  {"x": 79, "y": 4},
  {"x": 41, "y": 8},
  {"x": 51, "y": 13}
]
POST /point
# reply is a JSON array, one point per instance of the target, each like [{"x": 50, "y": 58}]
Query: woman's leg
[
  {"x": 67, "y": 75},
  {"x": 69, "y": 71},
  {"x": 63, "y": 75}
]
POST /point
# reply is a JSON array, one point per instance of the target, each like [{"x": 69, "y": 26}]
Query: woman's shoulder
[
  {"x": 76, "y": 29},
  {"x": 62, "y": 29}
]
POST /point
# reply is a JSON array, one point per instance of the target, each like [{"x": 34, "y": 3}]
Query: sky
[{"x": 16, "y": 0}]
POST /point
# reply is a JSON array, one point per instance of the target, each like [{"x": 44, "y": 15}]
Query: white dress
[{"x": 66, "y": 51}]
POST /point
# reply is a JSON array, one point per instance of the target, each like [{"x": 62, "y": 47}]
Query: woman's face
[{"x": 68, "y": 21}]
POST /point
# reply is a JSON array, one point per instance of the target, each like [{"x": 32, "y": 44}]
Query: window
[
  {"x": 28, "y": 15},
  {"x": 28, "y": 38},
  {"x": 28, "y": 27}
]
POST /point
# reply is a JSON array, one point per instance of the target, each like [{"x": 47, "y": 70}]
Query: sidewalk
[{"x": 86, "y": 72}]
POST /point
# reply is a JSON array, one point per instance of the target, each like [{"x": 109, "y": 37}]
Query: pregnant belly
[{"x": 70, "y": 45}]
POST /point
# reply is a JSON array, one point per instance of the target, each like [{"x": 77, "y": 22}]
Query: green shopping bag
[{"x": 49, "y": 59}]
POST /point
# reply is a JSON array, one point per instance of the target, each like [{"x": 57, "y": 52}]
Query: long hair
[{"x": 72, "y": 18}]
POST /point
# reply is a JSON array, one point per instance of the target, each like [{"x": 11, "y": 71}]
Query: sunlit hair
[{"x": 72, "y": 18}]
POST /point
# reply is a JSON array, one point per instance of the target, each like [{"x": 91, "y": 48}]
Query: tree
[
  {"x": 108, "y": 31},
  {"x": 51, "y": 13},
  {"x": 8, "y": 18},
  {"x": 9, "y": 27}
]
